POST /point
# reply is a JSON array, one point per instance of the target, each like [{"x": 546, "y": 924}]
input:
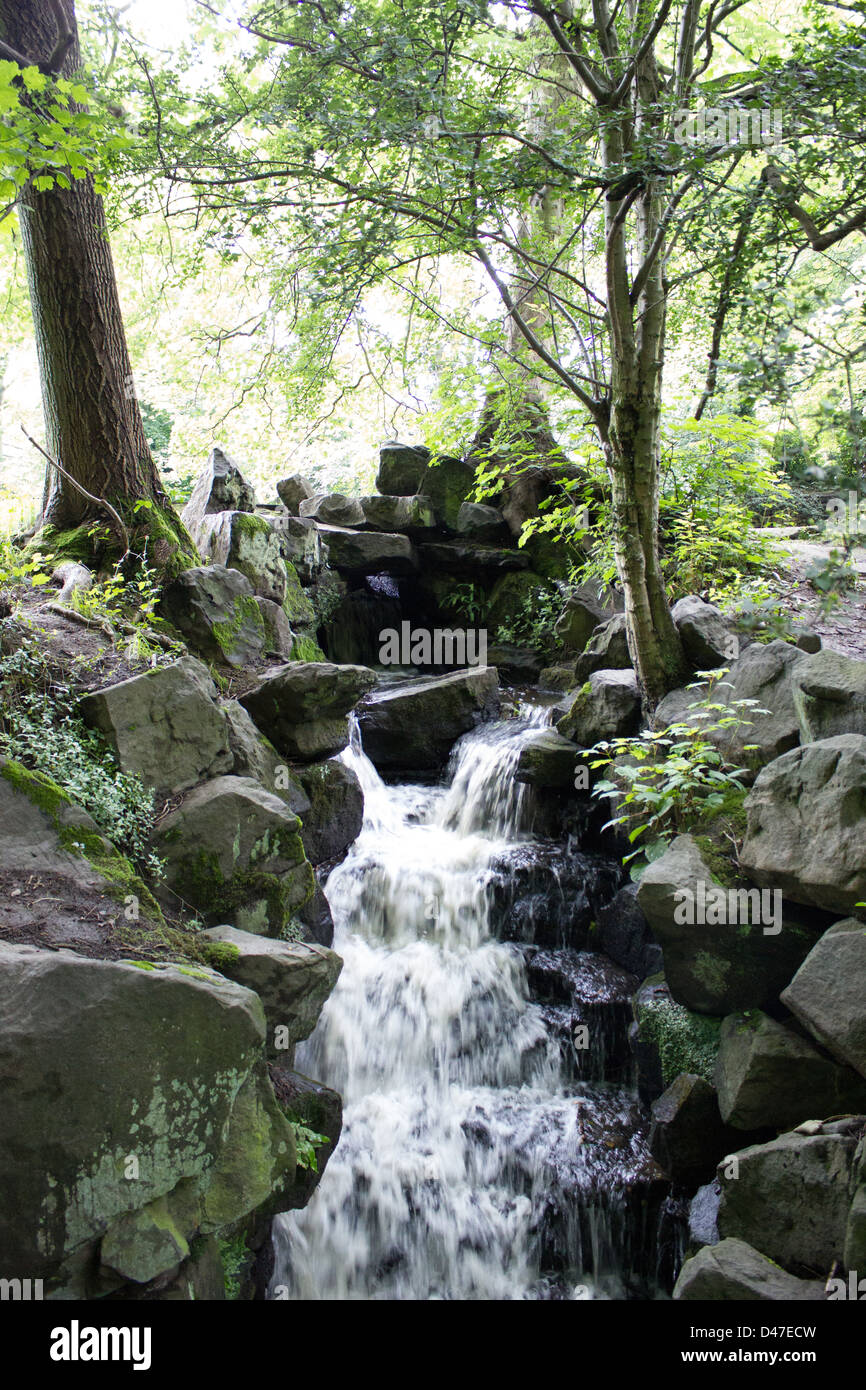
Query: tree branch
[{"x": 100, "y": 501}]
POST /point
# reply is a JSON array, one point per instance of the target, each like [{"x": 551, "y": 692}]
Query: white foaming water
[{"x": 459, "y": 1132}]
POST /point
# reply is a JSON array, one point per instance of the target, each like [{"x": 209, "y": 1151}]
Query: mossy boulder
[
  {"x": 256, "y": 757},
  {"x": 827, "y": 993},
  {"x": 245, "y": 542},
  {"x": 220, "y": 487},
  {"x": 514, "y": 598},
  {"x": 215, "y": 610},
  {"x": 119, "y": 1088},
  {"x": 233, "y": 850},
  {"x": 413, "y": 727},
  {"x": 732, "y": 1271},
  {"x": 607, "y": 706},
  {"x": 683, "y": 1041},
  {"x": 410, "y": 514},
  {"x": 401, "y": 468},
  {"x": 607, "y": 650}
]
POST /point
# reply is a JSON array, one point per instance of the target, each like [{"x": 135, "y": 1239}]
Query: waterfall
[{"x": 475, "y": 1162}]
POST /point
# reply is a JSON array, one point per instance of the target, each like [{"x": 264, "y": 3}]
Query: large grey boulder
[
  {"x": 336, "y": 809},
  {"x": 726, "y": 948},
  {"x": 734, "y": 1272},
  {"x": 294, "y": 490},
  {"x": 302, "y": 707},
  {"x": 215, "y": 610},
  {"x": 401, "y": 468},
  {"x": 164, "y": 725},
  {"x": 768, "y": 1076},
  {"x": 687, "y": 1137},
  {"x": 827, "y": 993},
  {"x": 357, "y": 553},
  {"x": 279, "y": 639},
  {"x": 333, "y": 509},
  {"x": 413, "y": 514},
  {"x": 763, "y": 674},
  {"x": 790, "y": 1198},
  {"x": 248, "y": 543},
  {"x": 221, "y": 487},
  {"x": 134, "y": 1100},
  {"x": 321, "y": 1110},
  {"x": 291, "y": 978},
  {"x": 415, "y": 726},
  {"x": 478, "y": 522},
  {"x": 830, "y": 696},
  {"x": 607, "y": 650},
  {"x": 706, "y": 634},
  {"x": 234, "y": 849},
  {"x": 607, "y": 706},
  {"x": 806, "y": 824}
]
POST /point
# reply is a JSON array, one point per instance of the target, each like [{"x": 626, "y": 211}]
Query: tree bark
[{"x": 93, "y": 423}]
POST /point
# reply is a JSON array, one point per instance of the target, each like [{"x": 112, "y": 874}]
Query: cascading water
[{"x": 475, "y": 1162}]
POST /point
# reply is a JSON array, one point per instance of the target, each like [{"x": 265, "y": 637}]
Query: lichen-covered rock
[
  {"x": 410, "y": 514},
  {"x": 164, "y": 725},
  {"x": 514, "y": 597},
  {"x": 120, "y": 1082},
  {"x": 448, "y": 482},
  {"x": 292, "y": 979},
  {"x": 336, "y": 809},
  {"x": 734, "y": 1272},
  {"x": 301, "y": 545},
  {"x": 827, "y": 993},
  {"x": 706, "y": 634},
  {"x": 606, "y": 651},
  {"x": 234, "y": 849},
  {"x": 245, "y": 542},
  {"x": 215, "y": 610},
  {"x": 769, "y": 1076},
  {"x": 415, "y": 726},
  {"x": 302, "y": 707},
  {"x": 607, "y": 706},
  {"x": 830, "y": 696},
  {"x": 790, "y": 1198},
  {"x": 294, "y": 490},
  {"x": 806, "y": 824},
  {"x": 333, "y": 509},
  {"x": 221, "y": 487},
  {"x": 726, "y": 947}
]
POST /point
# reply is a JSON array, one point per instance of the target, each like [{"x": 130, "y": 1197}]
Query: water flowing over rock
[
  {"x": 472, "y": 1163},
  {"x": 302, "y": 707},
  {"x": 414, "y": 726}
]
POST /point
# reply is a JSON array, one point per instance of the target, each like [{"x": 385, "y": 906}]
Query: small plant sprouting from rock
[{"x": 668, "y": 780}]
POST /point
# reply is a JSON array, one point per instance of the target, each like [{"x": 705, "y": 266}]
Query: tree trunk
[{"x": 93, "y": 424}]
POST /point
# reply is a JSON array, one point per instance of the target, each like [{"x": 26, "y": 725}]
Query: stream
[{"x": 493, "y": 1146}]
